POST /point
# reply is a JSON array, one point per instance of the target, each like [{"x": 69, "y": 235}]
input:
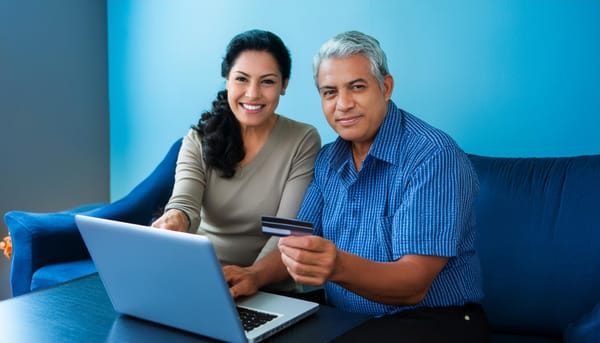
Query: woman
[{"x": 242, "y": 160}]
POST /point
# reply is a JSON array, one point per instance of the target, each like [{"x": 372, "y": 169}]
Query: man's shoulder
[
  {"x": 420, "y": 142},
  {"x": 330, "y": 149},
  {"x": 403, "y": 135},
  {"x": 418, "y": 130},
  {"x": 325, "y": 157}
]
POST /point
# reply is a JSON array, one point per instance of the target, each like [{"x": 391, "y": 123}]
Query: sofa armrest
[
  {"x": 586, "y": 329},
  {"x": 41, "y": 239}
]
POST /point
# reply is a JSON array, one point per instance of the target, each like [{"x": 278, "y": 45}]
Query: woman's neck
[{"x": 254, "y": 138}]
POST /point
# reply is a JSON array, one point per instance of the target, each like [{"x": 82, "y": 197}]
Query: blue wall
[
  {"x": 504, "y": 78},
  {"x": 54, "y": 127}
]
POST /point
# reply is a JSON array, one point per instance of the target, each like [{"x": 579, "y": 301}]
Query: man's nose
[{"x": 344, "y": 101}]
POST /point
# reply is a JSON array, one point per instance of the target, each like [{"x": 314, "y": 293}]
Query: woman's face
[{"x": 254, "y": 85}]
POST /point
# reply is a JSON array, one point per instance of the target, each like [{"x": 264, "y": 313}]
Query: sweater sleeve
[{"x": 190, "y": 180}]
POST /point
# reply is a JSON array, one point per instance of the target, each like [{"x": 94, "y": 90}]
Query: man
[{"x": 391, "y": 204}]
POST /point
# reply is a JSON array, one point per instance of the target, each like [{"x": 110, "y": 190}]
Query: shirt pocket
[{"x": 383, "y": 232}]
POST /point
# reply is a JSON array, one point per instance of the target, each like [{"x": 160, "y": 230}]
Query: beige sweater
[{"x": 228, "y": 211}]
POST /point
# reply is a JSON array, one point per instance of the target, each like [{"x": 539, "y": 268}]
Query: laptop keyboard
[{"x": 252, "y": 319}]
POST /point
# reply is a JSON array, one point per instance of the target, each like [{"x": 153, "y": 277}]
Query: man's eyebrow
[
  {"x": 326, "y": 88},
  {"x": 352, "y": 82},
  {"x": 359, "y": 80}
]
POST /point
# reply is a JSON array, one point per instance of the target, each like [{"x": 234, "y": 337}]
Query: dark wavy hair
[{"x": 220, "y": 132}]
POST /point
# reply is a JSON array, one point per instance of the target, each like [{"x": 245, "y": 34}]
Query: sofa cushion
[
  {"x": 538, "y": 235},
  {"x": 586, "y": 329},
  {"x": 61, "y": 272}
]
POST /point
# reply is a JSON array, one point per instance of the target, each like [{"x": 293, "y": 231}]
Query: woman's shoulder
[
  {"x": 192, "y": 143},
  {"x": 296, "y": 134},
  {"x": 193, "y": 136},
  {"x": 294, "y": 125},
  {"x": 293, "y": 128},
  {"x": 299, "y": 131}
]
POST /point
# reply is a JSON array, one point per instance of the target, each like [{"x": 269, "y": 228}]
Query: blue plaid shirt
[{"x": 413, "y": 195}]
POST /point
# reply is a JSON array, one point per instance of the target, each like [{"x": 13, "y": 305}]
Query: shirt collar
[{"x": 385, "y": 145}]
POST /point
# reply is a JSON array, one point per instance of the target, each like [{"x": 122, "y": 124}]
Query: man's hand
[
  {"x": 310, "y": 260},
  {"x": 174, "y": 220}
]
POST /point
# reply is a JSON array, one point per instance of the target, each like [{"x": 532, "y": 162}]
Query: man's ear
[{"x": 388, "y": 86}]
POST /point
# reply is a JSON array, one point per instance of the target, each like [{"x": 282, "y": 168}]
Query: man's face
[{"x": 351, "y": 99}]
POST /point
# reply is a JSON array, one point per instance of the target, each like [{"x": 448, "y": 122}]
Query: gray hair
[{"x": 351, "y": 43}]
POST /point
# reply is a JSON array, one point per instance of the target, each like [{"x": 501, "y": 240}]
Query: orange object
[{"x": 6, "y": 245}]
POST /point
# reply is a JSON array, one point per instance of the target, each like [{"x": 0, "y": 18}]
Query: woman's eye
[
  {"x": 269, "y": 82},
  {"x": 240, "y": 79}
]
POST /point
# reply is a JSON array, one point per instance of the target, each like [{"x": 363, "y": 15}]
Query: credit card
[{"x": 279, "y": 226}]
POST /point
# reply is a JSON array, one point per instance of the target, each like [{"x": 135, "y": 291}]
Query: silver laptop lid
[
  {"x": 175, "y": 279},
  {"x": 144, "y": 277}
]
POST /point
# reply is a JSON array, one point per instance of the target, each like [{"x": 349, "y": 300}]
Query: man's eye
[{"x": 327, "y": 93}]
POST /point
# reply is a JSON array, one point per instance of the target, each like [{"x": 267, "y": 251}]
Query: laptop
[{"x": 175, "y": 279}]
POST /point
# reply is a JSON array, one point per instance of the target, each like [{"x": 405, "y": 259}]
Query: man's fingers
[
  {"x": 301, "y": 242},
  {"x": 313, "y": 275},
  {"x": 324, "y": 259}
]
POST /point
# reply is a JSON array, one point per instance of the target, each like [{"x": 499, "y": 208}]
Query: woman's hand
[
  {"x": 248, "y": 280},
  {"x": 174, "y": 220},
  {"x": 241, "y": 281}
]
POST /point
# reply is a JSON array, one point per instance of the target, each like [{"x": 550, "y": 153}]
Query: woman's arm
[{"x": 190, "y": 183}]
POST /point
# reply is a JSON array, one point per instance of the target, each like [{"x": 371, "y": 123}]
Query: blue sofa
[
  {"x": 538, "y": 223},
  {"x": 47, "y": 247}
]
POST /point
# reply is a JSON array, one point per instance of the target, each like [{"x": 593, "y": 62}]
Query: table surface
[{"x": 80, "y": 311}]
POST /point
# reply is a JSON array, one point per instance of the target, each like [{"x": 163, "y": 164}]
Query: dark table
[{"x": 80, "y": 311}]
